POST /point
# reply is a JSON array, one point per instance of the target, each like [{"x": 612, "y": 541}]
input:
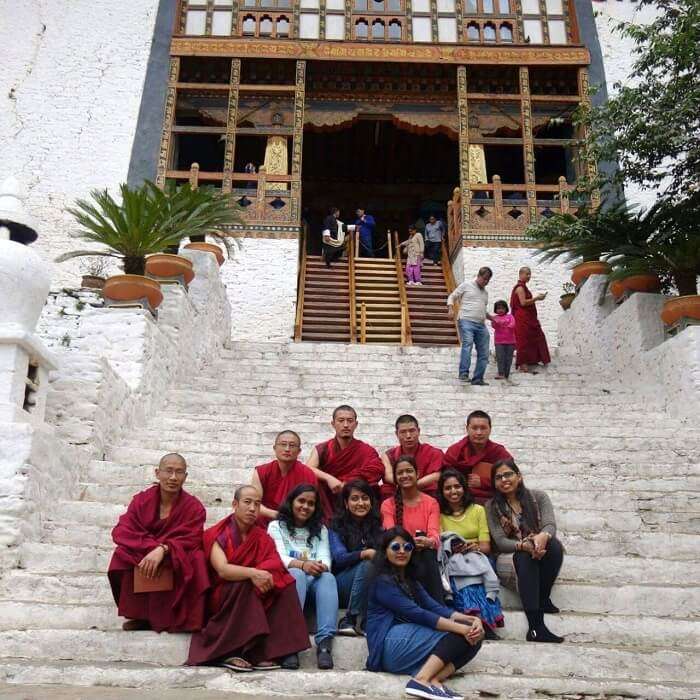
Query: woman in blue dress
[{"x": 410, "y": 633}]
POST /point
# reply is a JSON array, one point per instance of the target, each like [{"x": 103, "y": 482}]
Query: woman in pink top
[
  {"x": 504, "y": 337},
  {"x": 418, "y": 513}
]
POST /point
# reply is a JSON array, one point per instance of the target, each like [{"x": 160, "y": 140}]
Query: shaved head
[
  {"x": 241, "y": 491},
  {"x": 172, "y": 456}
]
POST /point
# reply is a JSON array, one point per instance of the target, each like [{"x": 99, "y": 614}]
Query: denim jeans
[
  {"x": 352, "y": 588},
  {"x": 324, "y": 590},
  {"x": 473, "y": 333},
  {"x": 432, "y": 250}
]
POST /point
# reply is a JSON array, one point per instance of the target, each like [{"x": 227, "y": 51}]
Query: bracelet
[{"x": 302, "y": 566}]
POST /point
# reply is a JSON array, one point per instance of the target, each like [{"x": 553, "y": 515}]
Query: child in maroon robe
[
  {"x": 256, "y": 619},
  {"x": 176, "y": 540}
]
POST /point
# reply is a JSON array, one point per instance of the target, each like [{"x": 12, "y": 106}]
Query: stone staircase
[{"x": 624, "y": 480}]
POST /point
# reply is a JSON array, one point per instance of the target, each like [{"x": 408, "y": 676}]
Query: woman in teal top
[{"x": 459, "y": 514}]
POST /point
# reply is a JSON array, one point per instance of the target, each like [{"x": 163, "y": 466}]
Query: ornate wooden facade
[{"x": 499, "y": 78}]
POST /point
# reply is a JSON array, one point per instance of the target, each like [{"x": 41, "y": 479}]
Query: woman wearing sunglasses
[
  {"x": 419, "y": 513},
  {"x": 524, "y": 531},
  {"x": 354, "y": 535},
  {"x": 302, "y": 542},
  {"x": 408, "y": 631}
]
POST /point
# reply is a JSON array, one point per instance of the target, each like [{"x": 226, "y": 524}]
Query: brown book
[{"x": 162, "y": 582}]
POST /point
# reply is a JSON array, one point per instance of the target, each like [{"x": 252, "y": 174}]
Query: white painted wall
[
  {"x": 70, "y": 89},
  {"x": 505, "y": 263},
  {"x": 261, "y": 282},
  {"x": 618, "y": 59},
  {"x": 627, "y": 342}
]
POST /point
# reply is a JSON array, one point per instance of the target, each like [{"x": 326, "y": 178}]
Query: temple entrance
[{"x": 398, "y": 172}]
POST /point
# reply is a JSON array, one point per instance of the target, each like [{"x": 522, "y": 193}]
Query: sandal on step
[
  {"x": 238, "y": 664},
  {"x": 266, "y": 666}
]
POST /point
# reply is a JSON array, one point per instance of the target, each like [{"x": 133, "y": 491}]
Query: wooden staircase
[
  {"x": 326, "y": 301},
  {"x": 366, "y": 300},
  {"x": 427, "y": 308}
]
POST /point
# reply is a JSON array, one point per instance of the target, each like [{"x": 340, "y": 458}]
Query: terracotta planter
[
  {"x": 641, "y": 283},
  {"x": 583, "y": 271},
  {"x": 169, "y": 266},
  {"x": 566, "y": 300},
  {"x": 677, "y": 308},
  {"x": 132, "y": 288},
  {"x": 92, "y": 282},
  {"x": 208, "y": 248},
  {"x": 616, "y": 289}
]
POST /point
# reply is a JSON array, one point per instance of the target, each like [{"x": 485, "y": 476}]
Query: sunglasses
[
  {"x": 397, "y": 547},
  {"x": 504, "y": 475}
]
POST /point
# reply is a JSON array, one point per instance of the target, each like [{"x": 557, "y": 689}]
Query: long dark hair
[
  {"x": 531, "y": 518},
  {"x": 398, "y": 496},
  {"x": 358, "y": 534},
  {"x": 381, "y": 566},
  {"x": 467, "y": 497},
  {"x": 285, "y": 514}
]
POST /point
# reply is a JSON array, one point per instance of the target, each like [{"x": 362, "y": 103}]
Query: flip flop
[
  {"x": 266, "y": 666},
  {"x": 237, "y": 664}
]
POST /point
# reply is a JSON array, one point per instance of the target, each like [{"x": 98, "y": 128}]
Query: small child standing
[
  {"x": 504, "y": 337},
  {"x": 414, "y": 255}
]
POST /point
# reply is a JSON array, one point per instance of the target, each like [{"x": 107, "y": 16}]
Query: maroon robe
[
  {"x": 276, "y": 486},
  {"x": 242, "y": 618},
  {"x": 428, "y": 460},
  {"x": 357, "y": 461},
  {"x": 139, "y": 531},
  {"x": 530, "y": 343},
  {"x": 464, "y": 458}
]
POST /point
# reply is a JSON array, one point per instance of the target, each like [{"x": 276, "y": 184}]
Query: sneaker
[
  {"x": 346, "y": 627},
  {"x": 419, "y": 284},
  {"x": 499, "y": 376},
  {"x": 463, "y": 377},
  {"x": 479, "y": 382},
  {"x": 449, "y": 693},
  {"x": 324, "y": 654},
  {"x": 418, "y": 690},
  {"x": 290, "y": 662}
]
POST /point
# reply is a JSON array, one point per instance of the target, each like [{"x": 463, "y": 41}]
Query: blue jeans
[
  {"x": 325, "y": 593},
  {"x": 352, "y": 588},
  {"x": 473, "y": 333}
]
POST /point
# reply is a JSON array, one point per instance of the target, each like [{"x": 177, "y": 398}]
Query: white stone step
[
  {"x": 598, "y": 595},
  {"x": 210, "y": 682},
  {"x": 578, "y": 628},
  {"x": 597, "y": 662}
]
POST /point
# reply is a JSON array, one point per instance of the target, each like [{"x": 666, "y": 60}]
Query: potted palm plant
[{"x": 144, "y": 223}]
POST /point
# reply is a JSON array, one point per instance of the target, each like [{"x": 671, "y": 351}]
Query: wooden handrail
[
  {"x": 406, "y": 338},
  {"x": 450, "y": 282},
  {"x": 301, "y": 284},
  {"x": 388, "y": 244},
  {"x": 351, "y": 289},
  {"x": 363, "y": 323}
]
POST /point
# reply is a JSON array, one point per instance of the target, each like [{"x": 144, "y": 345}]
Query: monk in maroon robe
[
  {"x": 428, "y": 458},
  {"x": 475, "y": 454},
  {"x": 277, "y": 478},
  {"x": 342, "y": 459},
  {"x": 162, "y": 529},
  {"x": 255, "y": 618},
  {"x": 530, "y": 343}
]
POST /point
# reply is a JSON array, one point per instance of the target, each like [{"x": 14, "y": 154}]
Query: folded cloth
[{"x": 467, "y": 568}]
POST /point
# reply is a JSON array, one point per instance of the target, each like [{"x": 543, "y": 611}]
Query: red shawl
[
  {"x": 141, "y": 529},
  {"x": 530, "y": 343},
  {"x": 257, "y": 551},
  {"x": 428, "y": 460},
  {"x": 464, "y": 458},
  {"x": 275, "y": 486},
  {"x": 357, "y": 461}
]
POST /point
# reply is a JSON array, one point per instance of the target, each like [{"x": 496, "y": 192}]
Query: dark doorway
[{"x": 396, "y": 174}]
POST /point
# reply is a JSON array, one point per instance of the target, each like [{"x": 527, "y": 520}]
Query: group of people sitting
[{"x": 413, "y": 545}]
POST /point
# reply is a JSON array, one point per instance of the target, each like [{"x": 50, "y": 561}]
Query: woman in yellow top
[{"x": 459, "y": 514}]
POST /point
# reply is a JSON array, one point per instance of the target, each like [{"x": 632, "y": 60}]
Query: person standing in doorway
[
  {"x": 434, "y": 233},
  {"x": 366, "y": 223},
  {"x": 333, "y": 237},
  {"x": 415, "y": 247},
  {"x": 472, "y": 324}
]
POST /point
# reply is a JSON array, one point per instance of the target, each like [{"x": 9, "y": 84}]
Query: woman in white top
[{"x": 302, "y": 543}]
